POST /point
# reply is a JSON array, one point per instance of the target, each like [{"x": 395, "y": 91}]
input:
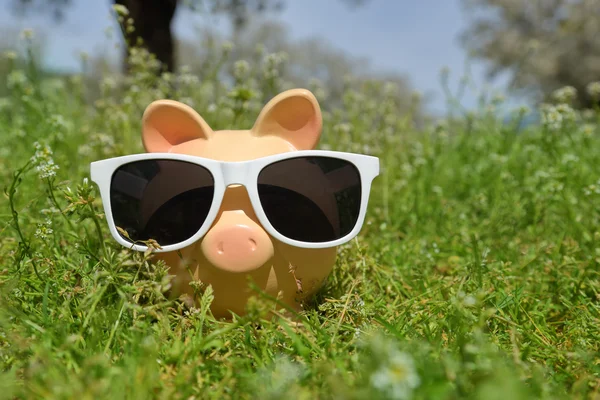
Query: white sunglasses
[{"x": 307, "y": 198}]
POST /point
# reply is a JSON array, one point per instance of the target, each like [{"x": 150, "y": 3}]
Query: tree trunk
[{"x": 152, "y": 23}]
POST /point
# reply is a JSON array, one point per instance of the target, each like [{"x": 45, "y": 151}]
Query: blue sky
[{"x": 415, "y": 38}]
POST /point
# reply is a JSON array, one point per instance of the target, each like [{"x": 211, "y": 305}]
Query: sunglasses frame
[{"x": 227, "y": 173}]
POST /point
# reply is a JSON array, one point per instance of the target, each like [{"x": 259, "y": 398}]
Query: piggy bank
[{"x": 232, "y": 206}]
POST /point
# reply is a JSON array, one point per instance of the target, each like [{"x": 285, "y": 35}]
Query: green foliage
[
  {"x": 543, "y": 45},
  {"x": 475, "y": 276}
]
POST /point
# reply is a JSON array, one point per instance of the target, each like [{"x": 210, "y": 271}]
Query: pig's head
[{"x": 236, "y": 247}]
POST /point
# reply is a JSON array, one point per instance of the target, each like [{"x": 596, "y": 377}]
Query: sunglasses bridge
[{"x": 235, "y": 173}]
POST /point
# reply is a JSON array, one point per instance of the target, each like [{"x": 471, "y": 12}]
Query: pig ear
[
  {"x": 168, "y": 123},
  {"x": 293, "y": 115}
]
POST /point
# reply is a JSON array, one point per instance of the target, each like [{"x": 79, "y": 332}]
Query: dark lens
[
  {"x": 164, "y": 200},
  {"x": 311, "y": 199}
]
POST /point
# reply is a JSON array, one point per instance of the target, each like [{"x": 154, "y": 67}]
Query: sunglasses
[{"x": 308, "y": 198}]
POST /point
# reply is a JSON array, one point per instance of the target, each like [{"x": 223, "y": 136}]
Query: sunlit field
[{"x": 476, "y": 274}]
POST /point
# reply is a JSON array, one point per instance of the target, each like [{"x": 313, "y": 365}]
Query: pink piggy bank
[{"x": 226, "y": 206}]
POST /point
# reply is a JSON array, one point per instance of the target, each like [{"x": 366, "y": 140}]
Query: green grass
[{"x": 476, "y": 274}]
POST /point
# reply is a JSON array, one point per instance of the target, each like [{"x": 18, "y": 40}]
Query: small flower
[
  {"x": 588, "y": 129},
  {"x": 241, "y": 69},
  {"x": 188, "y": 79},
  {"x": 271, "y": 63},
  {"x": 565, "y": 94},
  {"x": 360, "y": 303},
  {"x": 593, "y": 189},
  {"x": 398, "y": 377},
  {"x": 227, "y": 46},
  {"x": 10, "y": 55},
  {"x": 41, "y": 152},
  {"x": 469, "y": 301},
  {"x": 47, "y": 169},
  {"x": 343, "y": 128},
  {"x": 43, "y": 158},
  {"x": 108, "y": 84},
  {"x": 569, "y": 158},
  {"x": 121, "y": 10},
  {"x": 27, "y": 34},
  {"x": 556, "y": 117},
  {"x": 593, "y": 89},
  {"x": 16, "y": 79},
  {"x": 84, "y": 150},
  {"x": 44, "y": 230},
  {"x": 390, "y": 89},
  {"x": 498, "y": 99},
  {"x": 551, "y": 118}
]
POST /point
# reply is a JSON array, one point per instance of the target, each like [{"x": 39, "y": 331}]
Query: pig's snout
[{"x": 237, "y": 244}]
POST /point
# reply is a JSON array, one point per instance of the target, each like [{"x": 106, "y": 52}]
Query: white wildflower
[
  {"x": 84, "y": 150},
  {"x": 420, "y": 161},
  {"x": 498, "y": 99},
  {"x": 27, "y": 34},
  {"x": 16, "y": 79},
  {"x": 108, "y": 84},
  {"x": 43, "y": 158},
  {"x": 588, "y": 114},
  {"x": 241, "y": 69},
  {"x": 47, "y": 169},
  {"x": 42, "y": 152},
  {"x": 227, "y": 46},
  {"x": 469, "y": 301},
  {"x": 188, "y": 79},
  {"x": 390, "y": 89},
  {"x": 551, "y": 118},
  {"x": 555, "y": 117},
  {"x": 57, "y": 122},
  {"x": 565, "y": 94},
  {"x": 10, "y": 55},
  {"x": 342, "y": 128},
  {"x": 120, "y": 10},
  {"x": 593, "y": 89},
  {"x": 44, "y": 230},
  {"x": 360, "y": 303},
  {"x": 592, "y": 189},
  {"x": 398, "y": 377},
  {"x": 569, "y": 158},
  {"x": 588, "y": 129},
  {"x": 271, "y": 63}
]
